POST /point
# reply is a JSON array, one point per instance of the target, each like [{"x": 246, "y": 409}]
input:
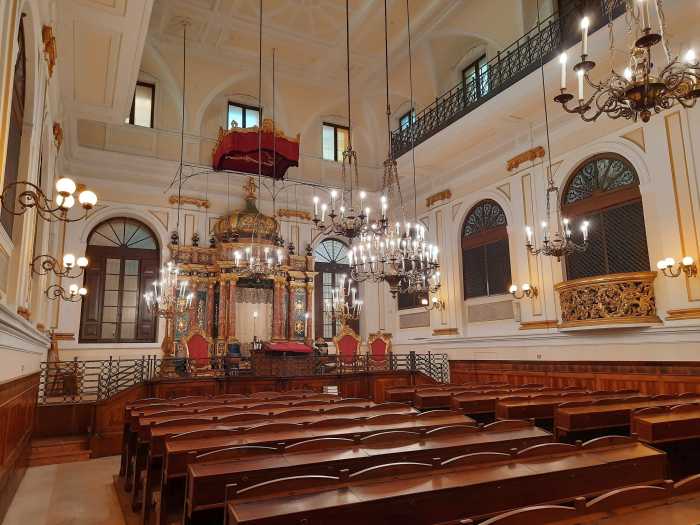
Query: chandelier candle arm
[{"x": 670, "y": 268}]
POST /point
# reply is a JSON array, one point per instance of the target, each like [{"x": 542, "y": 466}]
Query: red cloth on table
[{"x": 287, "y": 346}]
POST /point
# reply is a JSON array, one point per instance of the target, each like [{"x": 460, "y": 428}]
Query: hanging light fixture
[
  {"x": 347, "y": 215},
  {"x": 557, "y": 240},
  {"x": 72, "y": 295},
  {"x": 44, "y": 264},
  {"x": 642, "y": 88},
  {"x": 398, "y": 255},
  {"x": 345, "y": 305}
]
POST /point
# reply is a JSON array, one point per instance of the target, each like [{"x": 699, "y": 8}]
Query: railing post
[{"x": 412, "y": 361}]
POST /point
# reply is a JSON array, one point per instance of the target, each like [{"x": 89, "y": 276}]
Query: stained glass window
[
  {"x": 485, "y": 252},
  {"x": 604, "y": 190}
]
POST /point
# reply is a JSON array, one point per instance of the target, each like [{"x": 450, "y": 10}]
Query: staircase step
[{"x": 65, "y": 449}]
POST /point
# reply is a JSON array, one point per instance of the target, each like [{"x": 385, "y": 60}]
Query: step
[{"x": 55, "y": 450}]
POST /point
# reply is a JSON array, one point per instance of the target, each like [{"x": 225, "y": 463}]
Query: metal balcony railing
[
  {"x": 542, "y": 43},
  {"x": 89, "y": 381}
]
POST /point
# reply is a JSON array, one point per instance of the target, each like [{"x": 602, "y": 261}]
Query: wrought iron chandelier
[
  {"x": 44, "y": 264},
  {"x": 558, "y": 241},
  {"x": 347, "y": 216},
  {"x": 642, "y": 88},
  {"x": 72, "y": 295}
]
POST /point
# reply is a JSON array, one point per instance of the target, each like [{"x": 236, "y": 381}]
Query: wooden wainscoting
[
  {"x": 646, "y": 377},
  {"x": 17, "y": 405}
]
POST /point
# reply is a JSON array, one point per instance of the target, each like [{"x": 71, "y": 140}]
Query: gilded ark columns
[
  {"x": 210, "y": 309},
  {"x": 223, "y": 296},
  {"x": 231, "y": 332},
  {"x": 309, "y": 309},
  {"x": 277, "y": 306}
]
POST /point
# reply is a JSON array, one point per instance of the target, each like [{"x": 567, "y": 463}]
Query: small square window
[
  {"x": 335, "y": 141},
  {"x": 242, "y": 116}
]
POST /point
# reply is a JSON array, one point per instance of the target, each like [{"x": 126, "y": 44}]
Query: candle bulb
[
  {"x": 562, "y": 60},
  {"x": 580, "y": 74},
  {"x": 644, "y": 8},
  {"x": 334, "y": 194},
  {"x": 585, "y": 22},
  {"x": 584, "y": 230},
  {"x": 315, "y": 206},
  {"x": 528, "y": 233},
  {"x": 367, "y": 210},
  {"x": 323, "y": 211},
  {"x": 362, "y": 198}
]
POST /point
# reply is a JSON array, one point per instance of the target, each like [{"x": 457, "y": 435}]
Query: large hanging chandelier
[
  {"x": 557, "y": 238},
  {"x": 401, "y": 257},
  {"x": 642, "y": 88},
  {"x": 348, "y": 216}
]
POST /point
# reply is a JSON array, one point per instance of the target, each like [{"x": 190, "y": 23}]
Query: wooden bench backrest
[
  {"x": 535, "y": 515},
  {"x": 335, "y": 422},
  {"x": 231, "y": 453},
  {"x": 546, "y": 449},
  {"x": 452, "y": 430},
  {"x": 475, "y": 458},
  {"x": 389, "y": 406},
  {"x": 296, "y": 412},
  {"x": 608, "y": 441},
  {"x": 388, "y": 419},
  {"x": 505, "y": 425},
  {"x": 183, "y": 421},
  {"x": 205, "y": 433},
  {"x": 437, "y": 414},
  {"x": 285, "y": 485},
  {"x": 274, "y": 427},
  {"x": 390, "y": 438},
  {"x": 390, "y": 470},
  {"x": 346, "y": 409},
  {"x": 686, "y": 407},
  {"x": 626, "y": 496},
  {"x": 319, "y": 444},
  {"x": 242, "y": 417}
]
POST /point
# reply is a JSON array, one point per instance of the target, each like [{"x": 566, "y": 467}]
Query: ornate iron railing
[
  {"x": 89, "y": 381},
  {"x": 519, "y": 59}
]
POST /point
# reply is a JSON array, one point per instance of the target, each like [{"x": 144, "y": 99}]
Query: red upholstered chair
[
  {"x": 347, "y": 345},
  {"x": 379, "y": 345},
  {"x": 198, "y": 345}
]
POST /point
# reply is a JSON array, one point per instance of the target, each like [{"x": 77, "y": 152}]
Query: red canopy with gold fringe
[{"x": 240, "y": 148}]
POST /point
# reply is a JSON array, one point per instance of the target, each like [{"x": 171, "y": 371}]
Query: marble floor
[{"x": 69, "y": 494}]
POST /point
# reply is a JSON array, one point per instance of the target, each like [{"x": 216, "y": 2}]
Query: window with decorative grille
[
  {"x": 485, "y": 253},
  {"x": 331, "y": 261},
  {"x": 604, "y": 190},
  {"x": 407, "y": 301},
  {"x": 124, "y": 258}
]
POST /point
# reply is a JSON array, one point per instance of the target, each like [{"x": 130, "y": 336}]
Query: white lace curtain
[{"x": 248, "y": 302}]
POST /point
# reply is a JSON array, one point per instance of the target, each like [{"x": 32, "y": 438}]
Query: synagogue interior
[{"x": 328, "y": 262}]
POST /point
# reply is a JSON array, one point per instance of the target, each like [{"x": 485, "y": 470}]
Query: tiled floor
[{"x": 69, "y": 494}]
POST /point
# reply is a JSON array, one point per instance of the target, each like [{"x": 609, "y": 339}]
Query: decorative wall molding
[
  {"x": 437, "y": 197},
  {"x": 294, "y": 214},
  {"x": 683, "y": 313},
  {"x": 445, "y": 331},
  {"x": 526, "y": 156},
  {"x": 539, "y": 325},
  {"x": 636, "y": 136},
  {"x": 199, "y": 203}
]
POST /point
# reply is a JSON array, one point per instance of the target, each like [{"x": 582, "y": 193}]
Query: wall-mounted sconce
[
  {"x": 433, "y": 304},
  {"x": 43, "y": 264},
  {"x": 525, "y": 291},
  {"x": 27, "y": 196},
  {"x": 670, "y": 268},
  {"x": 73, "y": 294}
]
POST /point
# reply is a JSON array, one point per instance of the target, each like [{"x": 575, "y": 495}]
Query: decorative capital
[
  {"x": 49, "y": 47},
  {"x": 298, "y": 214},
  {"x": 437, "y": 197},
  {"x": 199, "y": 203},
  {"x": 530, "y": 155}
]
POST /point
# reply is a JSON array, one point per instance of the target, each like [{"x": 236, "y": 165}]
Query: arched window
[
  {"x": 124, "y": 259},
  {"x": 485, "y": 254},
  {"x": 331, "y": 258},
  {"x": 14, "y": 135},
  {"x": 605, "y": 191}
]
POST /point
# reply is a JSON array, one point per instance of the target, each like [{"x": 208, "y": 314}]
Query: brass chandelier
[
  {"x": 642, "y": 88},
  {"x": 398, "y": 255}
]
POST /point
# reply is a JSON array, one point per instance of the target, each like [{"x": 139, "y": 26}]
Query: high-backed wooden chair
[
  {"x": 198, "y": 347},
  {"x": 379, "y": 345},
  {"x": 347, "y": 344}
]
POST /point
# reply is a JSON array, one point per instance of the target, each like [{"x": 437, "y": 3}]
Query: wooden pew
[
  {"x": 133, "y": 453},
  {"x": 540, "y": 406},
  {"x": 478, "y": 403},
  {"x": 429, "y": 399},
  {"x": 208, "y": 475},
  {"x": 405, "y": 394},
  {"x": 667, "y": 502},
  {"x": 423, "y": 494},
  {"x": 667, "y": 424},
  {"x": 605, "y": 414},
  {"x": 152, "y": 437}
]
